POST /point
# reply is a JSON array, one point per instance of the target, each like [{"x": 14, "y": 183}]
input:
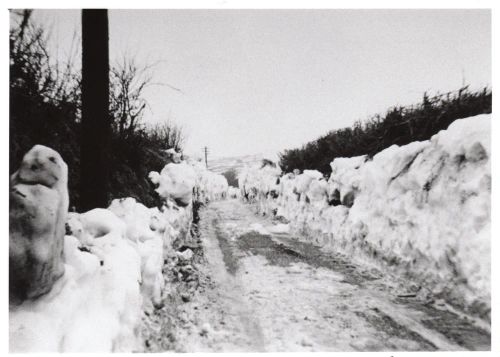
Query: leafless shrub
[
  {"x": 45, "y": 108},
  {"x": 168, "y": 135},
  {"x": 127, "y": 102},
  {"x": 399, "y": 125}
]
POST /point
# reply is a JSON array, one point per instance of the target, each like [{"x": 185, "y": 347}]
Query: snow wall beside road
[
  {"x": 113, "y": 262},
  {"x": 422, "y": 209}
]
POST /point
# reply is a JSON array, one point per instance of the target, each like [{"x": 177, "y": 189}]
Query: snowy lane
[{"x": 268, "y": 292}]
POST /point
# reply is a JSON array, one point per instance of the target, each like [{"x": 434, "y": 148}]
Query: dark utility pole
[
  {"x": 96, "y": 124},
  {"x": 205, "y": 150}
]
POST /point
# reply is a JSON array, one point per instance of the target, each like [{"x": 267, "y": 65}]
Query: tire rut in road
[
  {"x": 284, "y": 250},
  {"x": 459, "y": 329},
  {"x": 386, "y": 325},
  {"x": 455, "y": 328},
  {"x": 226, "y": 247},
  {"x": 287, "y": 253}
]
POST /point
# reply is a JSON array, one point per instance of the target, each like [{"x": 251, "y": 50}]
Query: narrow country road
[{"x": 264, "y": 291}]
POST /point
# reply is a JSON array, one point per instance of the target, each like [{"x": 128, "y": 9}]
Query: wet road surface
[{"x": 263, "y": 291}]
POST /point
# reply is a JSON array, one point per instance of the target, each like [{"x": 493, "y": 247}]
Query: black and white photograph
[{"x": 241, "y": 179}]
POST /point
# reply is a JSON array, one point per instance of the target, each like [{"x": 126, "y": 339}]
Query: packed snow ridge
[
  {"x": 422, "y": 209},
  {"x": 89, "y": 292}
]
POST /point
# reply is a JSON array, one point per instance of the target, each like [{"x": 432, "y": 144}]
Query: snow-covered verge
[
  {"x": 233, "y": 192},
  {"x": 422, "y": 210},
  {"x": 113, "y": 261},
  {"x": 180, "y": 181},
  {"x": 210, "y": 186},
  {"x": 259, "y": 181}
]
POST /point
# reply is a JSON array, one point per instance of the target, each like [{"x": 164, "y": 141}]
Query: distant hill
[{"x": 223, "y": 164}]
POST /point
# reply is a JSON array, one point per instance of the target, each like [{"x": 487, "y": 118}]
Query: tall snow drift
[
  {"x": 112, "y": 262},
  {"x": 422, "y": 209},
  {"x": 95, "y": 306},
  {"x": 258, "y": 180},
  {"x": 38, "y": 208},
  {"x": 178, "y": 181}
]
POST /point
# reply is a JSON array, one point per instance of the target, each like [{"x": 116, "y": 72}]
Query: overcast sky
[{"x": 260, "y": 81}]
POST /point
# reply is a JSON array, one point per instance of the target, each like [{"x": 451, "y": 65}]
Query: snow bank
[
  {"x": 178, "y": 182},
  {"x": 113, "y": 260},
  {"x": 259, "y": 181},
  {"x": 175, "y": 182},
  {"x": 233, "y": 192},
  {"x": 38, "y": 198},
  {"x": 152, "y": 232},
  {"x": 422, "y": 209},
  {"x": 210, "y": 186},
  {"x": 96, "y": 305}
]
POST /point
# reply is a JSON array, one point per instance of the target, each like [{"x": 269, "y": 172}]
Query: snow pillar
[{"x": 37, "y": 216}]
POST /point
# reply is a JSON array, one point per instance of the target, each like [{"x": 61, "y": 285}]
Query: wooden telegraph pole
[
  {"x": 96, "y": 123},
  {"x": 205, "y": 150}
]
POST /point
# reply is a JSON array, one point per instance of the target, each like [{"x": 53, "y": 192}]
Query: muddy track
[{"x": 259, "y": 291}]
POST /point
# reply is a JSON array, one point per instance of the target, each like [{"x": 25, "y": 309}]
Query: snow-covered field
[
  {"x": 113, "y": 261},
  {"x": 422, "y": 209}
]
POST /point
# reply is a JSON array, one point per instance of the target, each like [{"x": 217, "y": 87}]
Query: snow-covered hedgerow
[
  {"x": 179, "y": 181},
  {"x": 259, "y": 181},
  {"x": 113, "y": 261},
  {"x": 96, "y": 305},
  {"x": 210, "y": 186},
  {"x": 422, "y": 209},
  {"x": 175, "y": 182},
  {"x": 233, "y": 192}
]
